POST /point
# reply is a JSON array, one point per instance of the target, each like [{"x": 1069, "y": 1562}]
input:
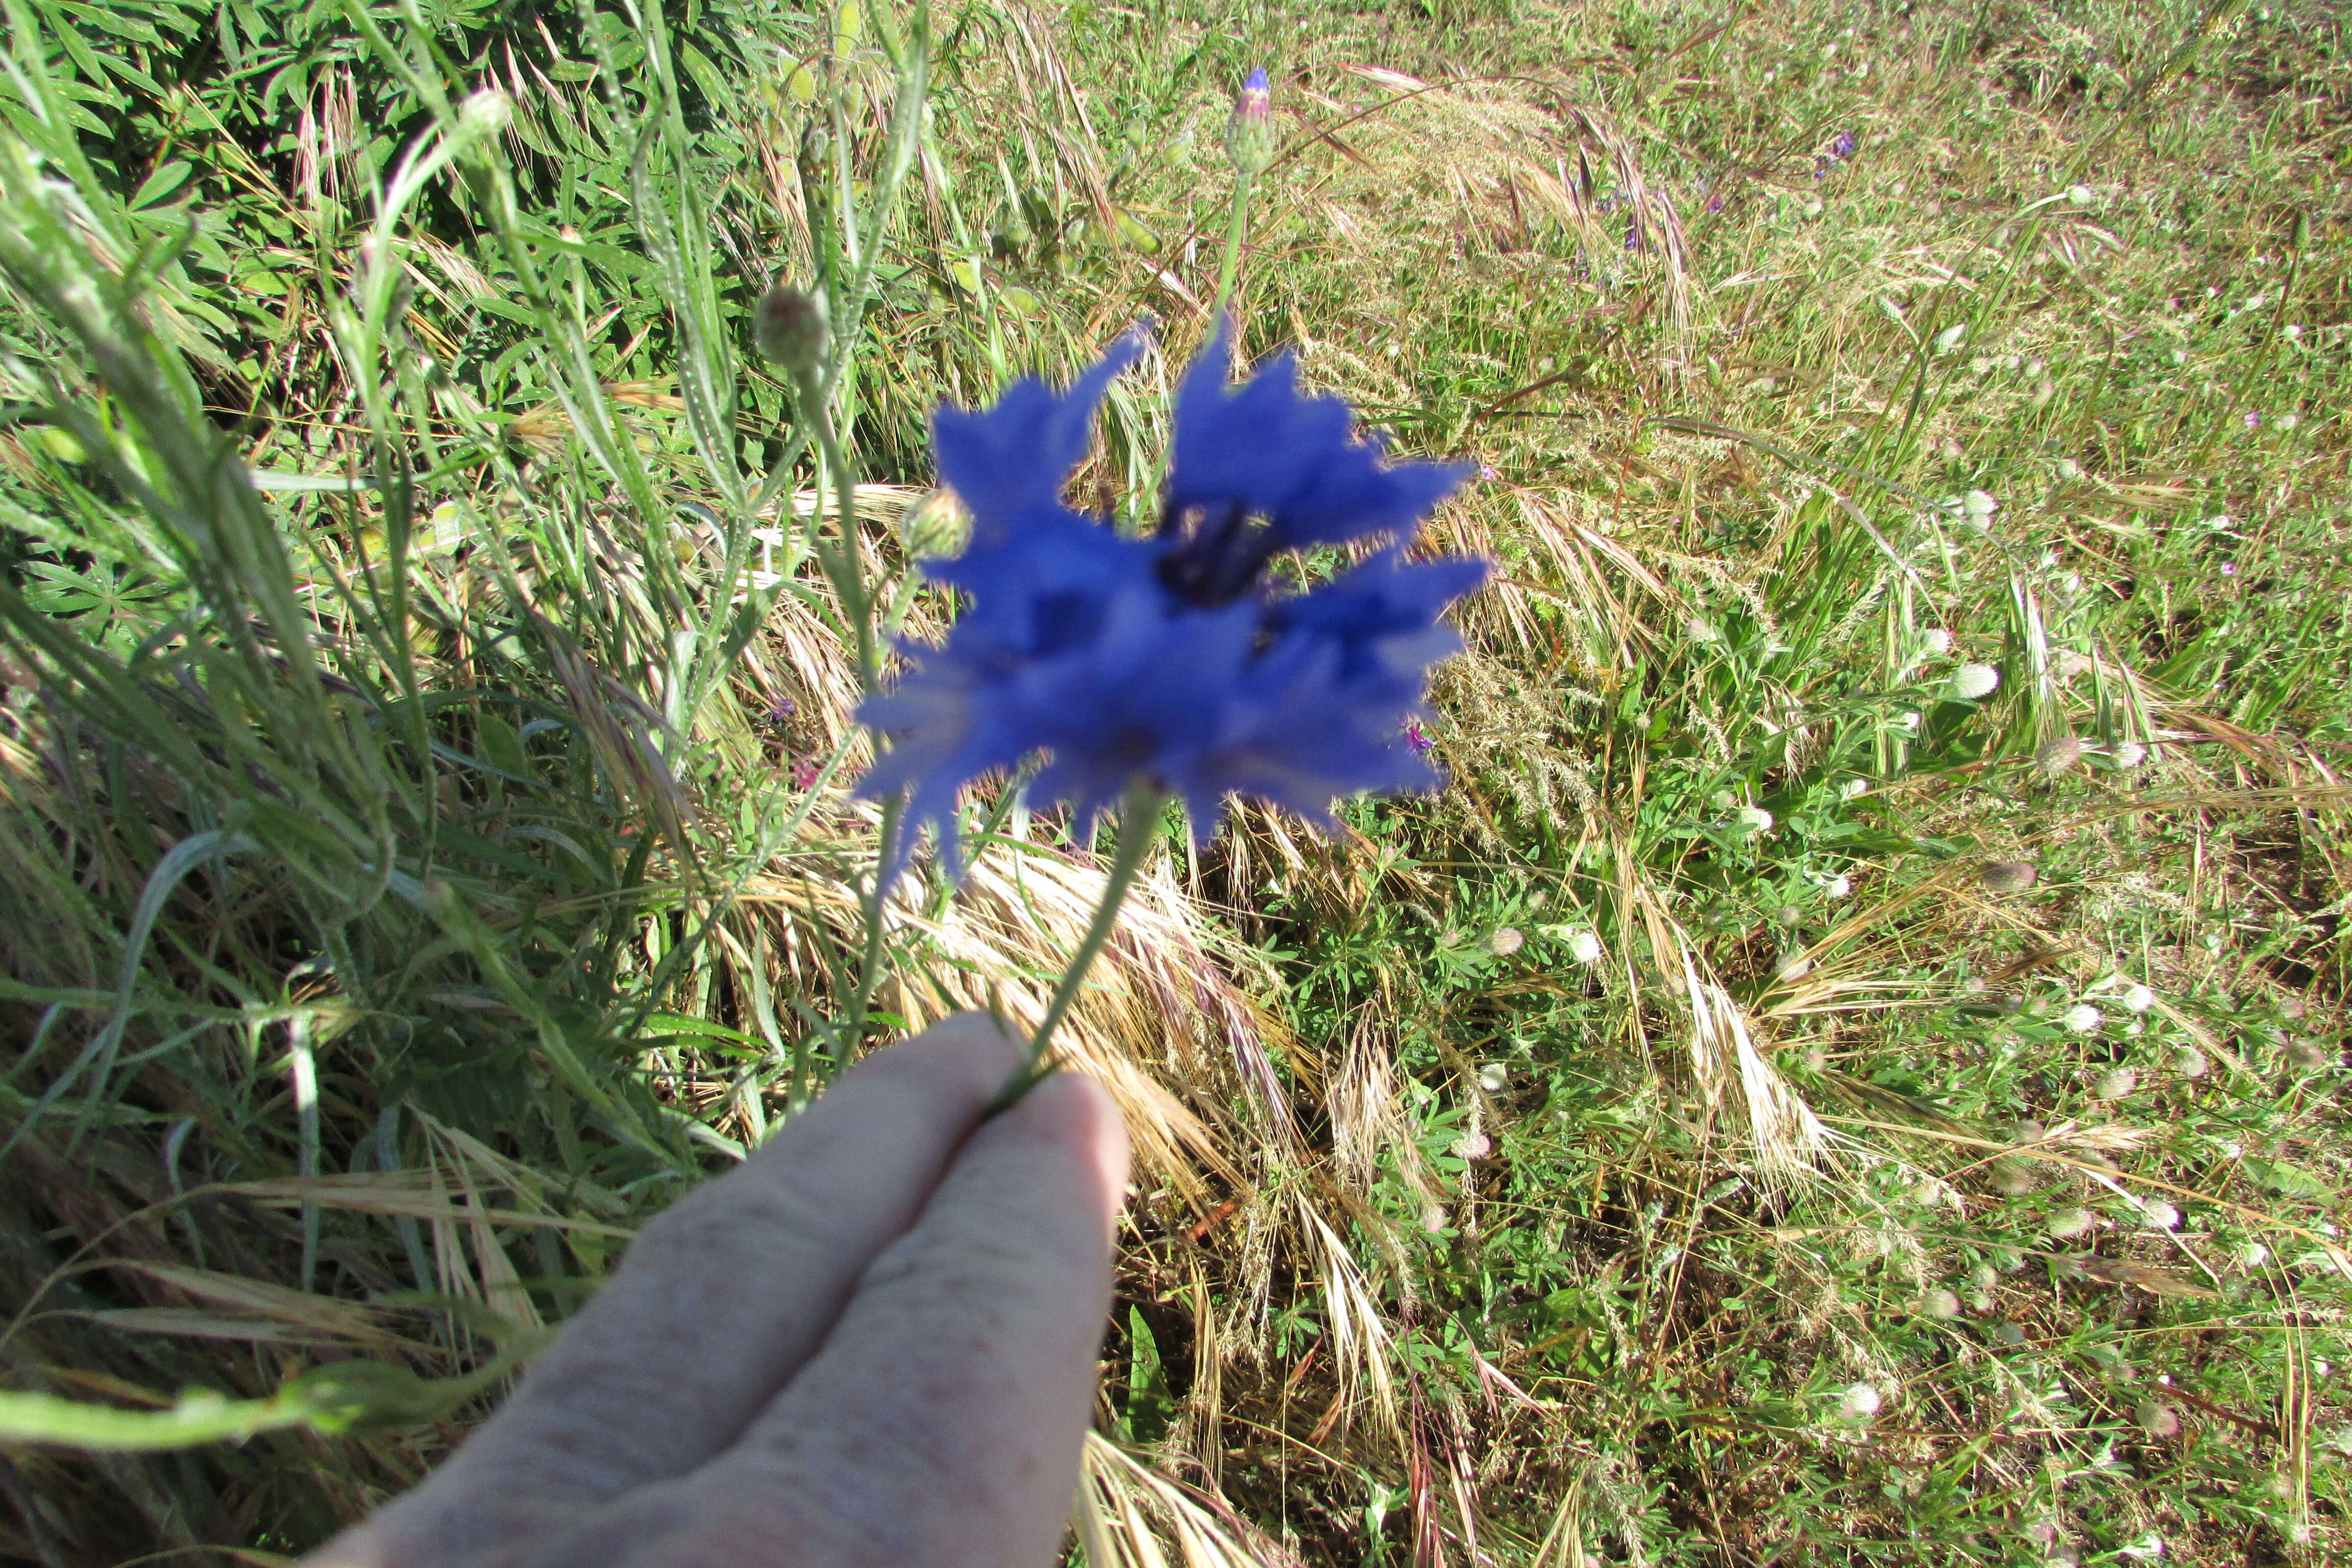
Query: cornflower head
[{"x": 1171, "y": 661}]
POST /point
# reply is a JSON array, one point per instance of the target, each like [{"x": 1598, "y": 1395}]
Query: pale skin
[{"x": 872, "y": 1344}]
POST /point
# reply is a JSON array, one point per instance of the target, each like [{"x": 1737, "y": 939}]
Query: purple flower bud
[{"x": 1249, "y": 135}]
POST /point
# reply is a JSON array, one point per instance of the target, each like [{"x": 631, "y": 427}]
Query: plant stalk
[{"x": 1139, "y": 827}]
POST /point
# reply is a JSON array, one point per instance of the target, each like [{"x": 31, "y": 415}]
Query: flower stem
[
  {"x": 1236, "y": 226},
  {"x": 844, "y": 558},
  {"x": 1138, "y": 826}
]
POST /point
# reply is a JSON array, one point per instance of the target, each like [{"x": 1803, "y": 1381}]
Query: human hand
[{"x": 874, "y": 1343}]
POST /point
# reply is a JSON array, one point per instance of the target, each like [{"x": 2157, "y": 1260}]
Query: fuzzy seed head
[
  {"x": 1941, "y": 1305},
  {"x": 2136, "y": 999},
  {"x": 2062, "y": 755},
  {"x": 2081, "y": 1018},
  {"x": 2306, "y": 1054},
  {"x": 1755, "y": 818},
  {"x": 2160, "y": 1215},
  {"x": 2157, "y": 1418},
  {"x": 1507, "y": 940},
  {"x": 1971, "y": 681},
  {"x": 1493, "y": 1078},
  {"x": 2189, "y": 1062},
  {"x": 2066, "y": 1223},
  {"x": 1860, "y": 1402},
  {"x": 2008, "y": 876},
  {"x": 1936, "y": 640},
  {"x": 2130, "y": 755},
  {"x": 2116, "y": 1085},
  {"x": 1584, "y": 947}
]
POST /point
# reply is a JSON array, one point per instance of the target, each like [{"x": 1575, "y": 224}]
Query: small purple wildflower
[
  {"x": 2253, "y": 420},
  {"x": 2229, "y": 568},
  {"x": 805, "y": 773},
  {"x": 1171, "y": 660},
  {"x": 1416, "y": 739},
  {"x": 1842, "y": 147},
  {"x": 1714, "y": 203},
  {"x": 781, "y": 708}
]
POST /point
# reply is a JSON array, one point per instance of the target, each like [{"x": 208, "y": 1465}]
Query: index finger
[{"x": 722, "y": 1298}]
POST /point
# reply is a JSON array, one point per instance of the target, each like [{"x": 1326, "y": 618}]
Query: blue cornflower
[{"x": 1171, "y": 660}]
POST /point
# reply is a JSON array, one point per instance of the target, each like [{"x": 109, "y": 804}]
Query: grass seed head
[
  {"x": 2063, "y": 755},
  {"x": 2306, "y": 1054},
  {"x": 1973, "y": 681},
  {"x": 2008, "y": 876}
]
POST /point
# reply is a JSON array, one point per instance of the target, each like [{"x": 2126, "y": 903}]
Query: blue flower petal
[
  {"x": 1383, "y": 613},
  {"x": 1017, "y": 455},
  {"x": 1042, "y": 589},
  {"x": 1263, "y": 449},
  {"x": 1168, "y": 661}
]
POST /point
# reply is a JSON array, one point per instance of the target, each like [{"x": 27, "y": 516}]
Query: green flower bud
[
  {"x": 791, "y": 329},
  {"x": 1249, "y": 135}
]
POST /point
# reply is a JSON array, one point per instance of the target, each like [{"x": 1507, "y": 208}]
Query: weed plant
[{"x": 1850, "y": 1070}]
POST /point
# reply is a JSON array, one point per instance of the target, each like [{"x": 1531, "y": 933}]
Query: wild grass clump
[{"x": 1849, "y": 1070}]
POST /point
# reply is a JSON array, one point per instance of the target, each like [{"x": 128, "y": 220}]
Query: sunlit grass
[{"x": 1784, "y": 1102}]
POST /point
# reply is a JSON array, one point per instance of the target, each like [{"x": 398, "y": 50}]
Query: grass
[{"x": 428, "y": 858}]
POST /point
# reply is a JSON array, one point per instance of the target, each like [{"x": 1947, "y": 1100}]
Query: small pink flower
[
  {"x": 2253, "y": 419},
  {"x": 2229, "y": 568},
  {"x": 805, "y": 773}
]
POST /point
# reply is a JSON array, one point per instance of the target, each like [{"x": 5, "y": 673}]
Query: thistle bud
[
  {"x": 791, "y": 329},
  {"x": 1249, "y": 135}
]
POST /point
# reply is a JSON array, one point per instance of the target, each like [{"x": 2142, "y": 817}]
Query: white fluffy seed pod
[{"x": 1971, "y": 681}]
